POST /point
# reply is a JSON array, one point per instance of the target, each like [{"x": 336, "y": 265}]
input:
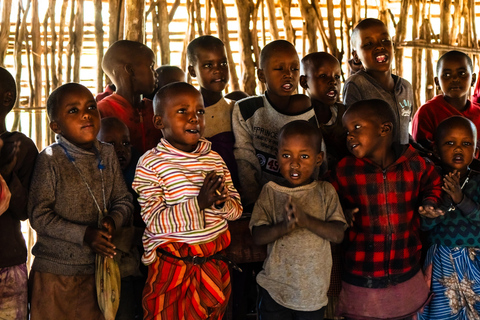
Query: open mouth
[
  {"x": 353, "y": 146},
  {"x": 287, "y": 86},
  {"x": 294, "y": 175},
  {"x": 332, "y": 93},
  {"x": 192, "y": 131},
  {"x": 218, "y": 80},
  {"x": 381, "y": 58},
  {"x": 458, "y": 158}
]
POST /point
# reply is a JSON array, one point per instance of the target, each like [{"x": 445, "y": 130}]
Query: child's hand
[
  {"x": 223, "y": 190},
  {"x": 4, "y": 196},
  {"x": 108, "y": 225},
  {"x": 430, "y": 211},
  {"x": 289, "y": 219},
  {"x": 212, "y": 191},
  {"x": 451, "y": 185},
  {"x": 350, "y": 215},
  {"x": 100, "y": 242},
  {"x": 8, "y": 158},
  {"x": 301, "y": 218}
]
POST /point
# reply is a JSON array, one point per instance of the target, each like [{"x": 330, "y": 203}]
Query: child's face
[
  {"x": 455, "y": 77},
  {"x": 144, "y": 73},
  {"x": 323, "y": 83},
  {"x": 211, "y": 69},
  {"x": 281, "y": 73},
  {"x": 456, "y": 148},
  {"x": 297, "y": 159},
  {"x": 119, "y": 137},
  {"x": 77, "y": 118},
  {"x": 183, "y": 121},
  {"x": 374, "y": 48},
  {"x": 363, "y": 135}
]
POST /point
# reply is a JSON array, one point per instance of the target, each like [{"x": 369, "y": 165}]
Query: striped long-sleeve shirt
[{"x": 168, "y": 182}]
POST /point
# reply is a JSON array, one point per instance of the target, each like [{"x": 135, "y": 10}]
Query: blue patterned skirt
[{"x": 454, "y": 277}]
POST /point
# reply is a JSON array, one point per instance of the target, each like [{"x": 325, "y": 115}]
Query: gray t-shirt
[{"x": 297, "y": 270}]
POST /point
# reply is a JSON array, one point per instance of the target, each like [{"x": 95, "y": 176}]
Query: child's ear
[
  {"x": 387, "y": 127},
  {"x": 355, "y": 56},
  {"x": 474, "y": 79},
  {"x": 191, "y": 71},
  {"x": 319, "y": 161},
  {"x": 54, "y": 127},
  {"x": 261, "y": 75},
  {"x": 303, "y": 82},
  {"x": 129, "y": 69},
  {"x": 158, "y": 122}
]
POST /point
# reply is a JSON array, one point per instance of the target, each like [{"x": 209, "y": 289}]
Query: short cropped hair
[
  {"x": 304, "y": 128},
  {"x": 316, "y": 60},
  {"x": 164, "y": 94},
  {"x": 54, "y": 98},
  {"x": 7, "y": 83},
  {"x": 270, "y": 49},
  {"x": 453, "y": 122},
  {"x": 362, "y": 25},
  {"x": 375, "y": 108},
  {"x": 204, "y": 42},
  {"x": 112, "y": 122},
  {"x": 455, "y": 54}
]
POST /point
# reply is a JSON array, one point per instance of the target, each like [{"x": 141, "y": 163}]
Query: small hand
[
  {"x": 108, "y": 225},
  {"x": 210, "y": 193},
  {"x": 100, "y": 242},
  {"x": 301, "y": 218},
  {"x": 289, "y": 219},
  {"x": 451, "y": 185},
  {"x": 350, "y": 215},
  {"x": 430, "y": 211},
  {"x": 223, "y": 191},
  {"x": 4, "y": 196}
]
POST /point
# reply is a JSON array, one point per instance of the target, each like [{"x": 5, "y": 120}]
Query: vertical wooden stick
[
  {"x": 45, "y": 53},
  {"x": 272, "y": 19},
  {"x": 78, "y": 43},
  {"x": 198, "y": 16},
  {"x": 37, "y": 57},
  {"x": 99, "y": 43},
  {"x": 53, "y": 46},
  {"x": 208, "y": 16},
  {"x": 134, "y": 20},
  {"x": 287, "y": 21},
  {"x": 71, "y": 41},
  {"x": 61, "y": 38},
  {"x": 245, "y": 9},
  {"x": 5, "y": 30},
  {"x": 400, "y": 34},
  {"x": 163, "y": 32}
]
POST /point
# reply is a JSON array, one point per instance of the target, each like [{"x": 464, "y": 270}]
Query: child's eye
[
  {"x": 201, "y": 111},
  {"x": 357, "y": 126},
  {"x": 450, "y": 143},
  {"x": 126, "y": 143},
  {"x": 337, "y": 77},
  {"x": 387, "y": 41},
  {"x": 305, "y": 156},
  {"x": 285, "y": 155},
  {"x": 446, "y": 75},
  {"x": 224, "y": 64},
  {"x": 367, "y": 44},
  {"x": 181, "y": 111},
  {"x": 92, "y": 107},
  {"x": 295, "y": 69},
  {"x": 467, "y": 144},
  {"x": 73, "y": 110},
  {"x": 208, "y": 65},
  {"x": 462, "y": 73}
]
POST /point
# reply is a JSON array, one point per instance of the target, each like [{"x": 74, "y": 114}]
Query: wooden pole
[
  {"x": 61, "y": 38},
  {"x": 37, "y": 56},
  {"x": 400, "y": 34},
  {"x": 134, "y": 20},
  {"x": 173, "y": 10},
  {"x": 99, "y": 43},
  {"x": 46, "y": 87},
  {"x": 163, "y": 32},
  {"x": 114, "y": 18},
  {"x": 310, "y": 19},
  {"x": 287, "y": 21},
  {"x": 5, "y": 31},
  {"x": 208, "y": 16},
  {"x": 71, "y": 41},
  {"x": 198, "y": 16},
  {"x": 272, "y": 19},
  {"x": 53, "y": 45},
  {"x": 245, "y": 9},
  {"x": 78, "y": 43},
  {"x": 416, "y": 60},
  {"x": 331, "y": 29},
  {"x": 190, "y": 34}
]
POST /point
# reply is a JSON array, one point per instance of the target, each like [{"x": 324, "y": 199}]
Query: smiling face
[
  {"x": 323, "y": 82},
  {"x": 210, "y": 68},
  {"x": 298, "y": 157},
  {"x": 182, "y": 119},
  {"x": 374, "y": 48},
  {"x": 456, "y": 147},
  {"x": 117, "y": 134},
  {"x": 76, "y": 117},
  {"x": 280, "y": 73},
  {"x": 455, "y": 77}
]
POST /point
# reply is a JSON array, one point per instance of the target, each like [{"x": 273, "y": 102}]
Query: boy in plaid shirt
[{"x": 388, "y": 183}]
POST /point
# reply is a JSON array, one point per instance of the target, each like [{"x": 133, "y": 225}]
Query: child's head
[
  {"x": 207, "y": 61},
  {"x": 8, "y": 93},
  {"x": 455, "y": 74},
  {"x": 370, "y": 128},
  {"x": 179, "y": 113},
  {"x": 299, "y": 152},
  {"x": 372, "y": 45},
  {"x": 279, "y": 68},
  {"x": 169, "y": 74},
  {"x": 321, "y": 77},
  {"x": 116, "y": 133},
  {"x": 73, "y": 113},
  {"x": 455, "y": 143},
  {"x": 237, "y": 95},
  {"x": 131, "y": 66}
]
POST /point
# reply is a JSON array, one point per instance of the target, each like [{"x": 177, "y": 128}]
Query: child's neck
[
  {"x": 135, "y": 99},
  {"x": 322, "y": 111},
  {"x": 210, "y": 97},
  {"x": 384, "y": 159},
  {"x": 385, "y": 79},
  {"x": 281, "y": 104},
  {"x": 459, "y": 103}
]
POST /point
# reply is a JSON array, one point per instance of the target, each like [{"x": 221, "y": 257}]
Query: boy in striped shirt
[{"x": 186, "y": 195}]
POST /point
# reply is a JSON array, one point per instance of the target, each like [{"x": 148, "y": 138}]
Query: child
[
  {"x": 452, "y": 265},
  {"x": 388, "y": 182},
  {"x": 321, "y": 80},
  {"x": 128, "y": 239},
  {"x": 187, "y": 196},
  {"x": 372, "y": 45},
  {"x": 454, "y": 77},
  {"x": 208, "y": 63},
  {"x": 77, "y": 185},
  {"x": 17, "y": 158},
  {"x": 257, "y": 120},
  {"x": 297, "y": 219},
  {"x": 130, "y": 65},
  {"x": 166, "y": 74}
]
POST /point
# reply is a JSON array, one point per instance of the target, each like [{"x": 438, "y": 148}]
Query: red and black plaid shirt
[{"x": 384, "y": 241}]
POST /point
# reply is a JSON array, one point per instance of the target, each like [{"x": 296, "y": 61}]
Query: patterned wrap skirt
[
  {"x": 176, "y": 290},
  {"x": 454, "y": 277}
]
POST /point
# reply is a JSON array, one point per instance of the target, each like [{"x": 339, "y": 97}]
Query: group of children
[{"x": 199, "y": 148}]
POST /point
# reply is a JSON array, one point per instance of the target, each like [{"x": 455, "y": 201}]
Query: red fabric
[
  {"x": 143, "y": 135},
  {"x": 176, "y": 290},
  {"x": 102, "y": 95},
  {"x": 476, "y": 93},
  {"x": 434, "y": 111},
  {"x": 384, "y": 240}
]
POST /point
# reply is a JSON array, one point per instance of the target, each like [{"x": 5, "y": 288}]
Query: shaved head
[
  {"x": 275, "y": 46},
  {"x": 362, "y": 25},
  {"x": 304, "y": 128},
  {"x": 315, "y": 60},
  {"x": 165, "y": 93},
  {"x": 374, "y": 108},
  {"x": 7, "y": 85},
  {"x": 452, "y": 123}
]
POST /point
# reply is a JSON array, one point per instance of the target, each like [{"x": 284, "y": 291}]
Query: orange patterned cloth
[{"x": 179, "y": 290}]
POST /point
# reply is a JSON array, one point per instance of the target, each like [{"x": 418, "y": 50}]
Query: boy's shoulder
[{"x": 250, "y": 105}]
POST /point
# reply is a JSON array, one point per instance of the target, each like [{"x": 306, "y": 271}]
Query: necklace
[{"x": 100, "y": 167}]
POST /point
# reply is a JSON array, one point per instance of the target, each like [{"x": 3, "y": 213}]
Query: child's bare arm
[
  {"x": 100, "y": 241},
  {"x": 266, "y": 234}
]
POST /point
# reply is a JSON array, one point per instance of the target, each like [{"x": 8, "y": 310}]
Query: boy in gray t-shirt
[{"x": 297, "y": 220}]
